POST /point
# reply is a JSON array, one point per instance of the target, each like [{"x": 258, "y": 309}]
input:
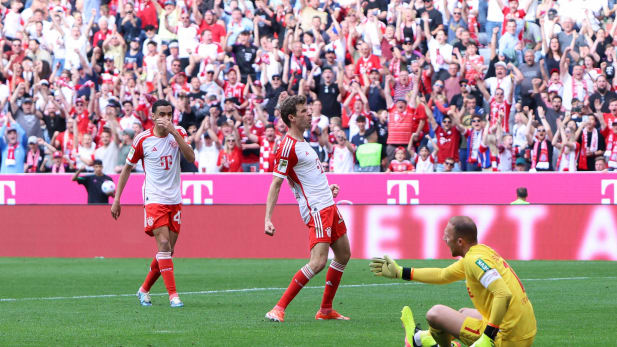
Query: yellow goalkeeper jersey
[{"x": 519, "y": 322}]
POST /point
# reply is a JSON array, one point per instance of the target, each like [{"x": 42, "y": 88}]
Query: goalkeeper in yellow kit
[{"x": 503, "y": 315}]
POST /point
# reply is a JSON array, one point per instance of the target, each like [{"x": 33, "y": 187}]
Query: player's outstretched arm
[
  {"x": 273, "y": 195},
  {"x": 387, "y": 267},
  {"x": 124, "y": 177}
]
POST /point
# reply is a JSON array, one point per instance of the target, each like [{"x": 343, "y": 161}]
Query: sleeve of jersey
[
  {"x": 285, "y": 159},
  {"x": 452, "y": 273},
  {"x": 485, "y": 271},
  {"x": 136, "y": 152},
  {"x": 184, "y": 134}
]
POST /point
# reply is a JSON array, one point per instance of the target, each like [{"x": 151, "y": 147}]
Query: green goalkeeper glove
[
  {"x": 386, "y": 267},
  {"x": 484, "y": 341}
]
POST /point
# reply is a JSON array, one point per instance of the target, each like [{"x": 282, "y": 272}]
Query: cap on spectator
[
  {"x": 28, "y": 100},
  {"x": 11, "y": 128},
  {"x": 57, "y": 154},
  {"x": 552, "y": 11},
  {"x": 170, "y": 2},
  {"x": 173, "y": 44},
  {"x": 330, "y": 50},
  {"x": 32, "y": 140},
  {"x": 209, "y": 68},
  {"x": 401, "y": 99},
  {"x": 501, "y": 63},
  {"x": 113, "y": 103},
  {"x": 44, "y": 82},
  {"x": 128, "y": 66},
  {"x": 375, "y": 70},
  {"x": 97, "y": 162},
  {"x": 408, "y": 40},
  {"x": 521, "y": 161},
  {"x": 553, "y": 88},
  {"x": 257, "y": 83},
  {"x": 136, "y": 39},
  {"x": 149, "y": 27},
  {"x": 400, "y": 148},
  {"x": 58, "y": 9},
  {"x": 129, "y": 132},
  {"x": 109, "y": 58}
]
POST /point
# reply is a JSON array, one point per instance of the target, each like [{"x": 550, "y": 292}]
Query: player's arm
[
  {"x": 389, "y": 268},
  {"x": 273, "y": 195},
  {"x": 124, "y": 177},
  {"x": 185, "y": 148},
  {"x": 76, "y": 175}
]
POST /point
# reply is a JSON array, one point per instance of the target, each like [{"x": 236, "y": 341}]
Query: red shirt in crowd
[
  {"x": 400, "y": 166},
  {"x": 402, "y": 124},
  {"x": 497, "y": 107},
  {"x": 519, "y": 14},
  {"x": 235, "y": 91},
  {"x": 267, "y": 149},
  {"x": 257, "y": 130},
  {"x": 448, "y": 143},
  {"x": 234, "y": 160},
  {"x": 218, "y": 31}
]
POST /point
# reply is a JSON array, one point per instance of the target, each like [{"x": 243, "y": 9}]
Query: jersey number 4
[
  {"x": 177, "y": 217},
  {"x": 166, "y": 162}
]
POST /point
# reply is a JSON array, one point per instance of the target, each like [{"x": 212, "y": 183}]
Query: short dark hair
[
  {"x": 289, "y": 107},
  {"x": 557, "y": 97},
  {"x": 269, "y": 126},
  {"x": 163, "y": 103},
  {"x": 97, "y": 162},
  {"x": 521, "y": 192},
  {"x": 464, "y": 227}
]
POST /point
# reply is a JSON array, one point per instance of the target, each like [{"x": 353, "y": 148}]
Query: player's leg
[
  {"x": 446, "y": 323},
  {"x": 342, "y": 253},
  {"x": 143, "y": 294},
  {"x": 319, "y": 257},
  {"x": 166, "y": 265}
]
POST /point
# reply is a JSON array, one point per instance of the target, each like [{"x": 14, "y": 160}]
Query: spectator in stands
[
  {"x": 230, "y": 158},
  {"x": 13, "y": 146}
]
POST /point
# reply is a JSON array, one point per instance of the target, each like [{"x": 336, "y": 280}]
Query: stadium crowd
[{"x": 395, "y": 86}]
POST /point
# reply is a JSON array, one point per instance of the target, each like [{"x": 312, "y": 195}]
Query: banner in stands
[
  {"x": 356, "y": 189},
  {"x": 574, "y": 232}
]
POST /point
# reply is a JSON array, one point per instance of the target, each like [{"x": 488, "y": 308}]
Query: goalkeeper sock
[
  {"x": 299, "y": 280},
  {"x": 152, "y": 276},
  {"x": 333, "y": 278},
  {"x": 442, "y": 338},
  {"x": 166, "y": 265}
]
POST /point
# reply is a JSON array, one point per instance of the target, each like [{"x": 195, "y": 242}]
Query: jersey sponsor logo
[
  {"x": 482, "y": 265},
  {"x": 166, "y": 162},
  {"x": 282, "y": 165}
]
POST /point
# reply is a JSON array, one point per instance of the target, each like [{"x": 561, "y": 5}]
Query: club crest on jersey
[
  {"x": 282, "y": 165},
  {"x": 131, "y": 152},
  {"x": 173, "y": 144},
  {"x": 150, "y": 221},
  {"x": 329, "y": 231}
]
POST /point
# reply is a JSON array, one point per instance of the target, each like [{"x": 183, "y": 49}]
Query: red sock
[
  {"x": 166, "y": 265},
  {"x": 333, "y": 278},
  {"x": 299, "y": 280},
  {"x": 152, "y": 276}
]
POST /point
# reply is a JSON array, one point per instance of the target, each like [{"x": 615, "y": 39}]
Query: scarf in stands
[
  {"x": 297, "y": 66},
  {"x": 575, "y": 91},
  {"x": 10, "y": 154},
  {"x": 33, "y": 160},
  {"x": 593, "y": 146},
  {"x": 57, "y": 168},
  {"x": 569, "y": 157},
  {"x": 540, "y": 159},
  {"x": 611, "y": 150}
]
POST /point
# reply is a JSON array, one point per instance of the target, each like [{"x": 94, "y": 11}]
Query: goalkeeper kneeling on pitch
[{"x": 503, "y": 315}]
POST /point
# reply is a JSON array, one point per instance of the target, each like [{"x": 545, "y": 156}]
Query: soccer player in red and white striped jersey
[
  {"x": 159, "y": 149},
  {"x": 298, "y": 162}
]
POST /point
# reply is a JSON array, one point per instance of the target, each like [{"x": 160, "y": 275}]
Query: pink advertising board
[{"x": 369, "y": 189}]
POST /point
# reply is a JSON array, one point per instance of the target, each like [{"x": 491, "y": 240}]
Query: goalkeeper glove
[
  {"x": 484, "y": 341},
  {"x": 386, "y": 267}
]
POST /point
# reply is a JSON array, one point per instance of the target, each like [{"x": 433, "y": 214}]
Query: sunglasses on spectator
[
  {"x": 210, "y": 72},
  {"x": 446, "y": 121},
  {"x": 231, "y": 140},
  {"x": 276, "y": 78},
  {"x": 438, "y": 85},
  {"x": 475, "y": 120},
  {"x": 541, "y": 130},
  {"x": 455, "y": 13},
  {"x": 449, "y": 163}
]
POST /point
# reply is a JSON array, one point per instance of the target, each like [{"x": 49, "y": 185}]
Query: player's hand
[
  {"x": 116, "y": 209},
  {"x": 335, "y": 189},
  {"x": 269, "y": 229},
  {"x": 484, "y": 341},
  {"x": 386, "y": 267},
  {"x": 166, "y": 124}
]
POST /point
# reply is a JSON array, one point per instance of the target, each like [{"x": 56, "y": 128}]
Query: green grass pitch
[{"x": 575, "y": 303}]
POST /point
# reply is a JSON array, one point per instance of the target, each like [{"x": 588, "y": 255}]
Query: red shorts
[
  {"x": 157, "y": 215},
  {"x": 326, "y": 226}
]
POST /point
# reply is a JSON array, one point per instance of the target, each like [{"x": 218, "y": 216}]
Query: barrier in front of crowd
[
  {"x": 369, "y": 189},
  {"x": 567, "y": 232}
]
